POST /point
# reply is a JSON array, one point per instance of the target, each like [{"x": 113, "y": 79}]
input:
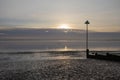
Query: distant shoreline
[{"x": 69, "y": 51}]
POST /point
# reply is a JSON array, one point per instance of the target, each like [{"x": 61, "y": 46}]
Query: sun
[{"x": 64, "y": 26}]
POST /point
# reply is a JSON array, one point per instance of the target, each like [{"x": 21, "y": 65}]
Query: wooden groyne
[{"x": 104, "y": 56}]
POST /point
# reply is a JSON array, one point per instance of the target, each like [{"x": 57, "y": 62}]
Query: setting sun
[{"x": 64, "y": 26}]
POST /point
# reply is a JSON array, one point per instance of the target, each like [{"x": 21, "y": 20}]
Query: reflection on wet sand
[{"x": 23, "y": 56}]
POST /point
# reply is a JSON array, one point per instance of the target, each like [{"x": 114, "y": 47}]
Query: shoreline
[
  {"x": 61, "y": 51},
  {"x": 56, "y": 65}
]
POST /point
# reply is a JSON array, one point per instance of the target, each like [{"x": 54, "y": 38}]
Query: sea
[
  {"x": 42, "y": 44},
  {"x": 57, "y": 40}
]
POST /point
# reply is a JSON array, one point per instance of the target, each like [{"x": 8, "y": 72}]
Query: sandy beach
[{"x": 63, "y": 69}]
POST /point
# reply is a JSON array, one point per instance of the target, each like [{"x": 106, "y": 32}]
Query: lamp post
[{"x": 87, "y": 49}]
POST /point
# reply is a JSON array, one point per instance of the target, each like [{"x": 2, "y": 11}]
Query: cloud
[
  {"x": 48, "y": 13},
  {"x": 2, "y": 34}
]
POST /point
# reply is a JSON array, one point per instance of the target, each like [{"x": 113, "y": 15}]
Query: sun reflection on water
[{"x": 65, "y": 48}]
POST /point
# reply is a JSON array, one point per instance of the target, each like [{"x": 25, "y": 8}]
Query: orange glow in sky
[{"x": 64, "y": 26}]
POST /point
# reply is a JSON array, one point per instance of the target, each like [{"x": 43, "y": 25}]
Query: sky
[{"x": 104, "y": 15}]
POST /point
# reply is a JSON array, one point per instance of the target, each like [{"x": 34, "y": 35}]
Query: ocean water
[
  {"x": 57, "y": 40},
  {"x": 57, "y": 45},
  {"x": 17, "y": 45}
]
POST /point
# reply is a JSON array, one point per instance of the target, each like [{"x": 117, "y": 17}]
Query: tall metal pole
[
  {"x": 87, "y": 49},
  {"x": 86, "y": 36}
]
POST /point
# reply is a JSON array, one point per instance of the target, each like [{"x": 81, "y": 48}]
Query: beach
[
  {"x": 59, "y": 39},
  {"x": 60, "y": 69}
]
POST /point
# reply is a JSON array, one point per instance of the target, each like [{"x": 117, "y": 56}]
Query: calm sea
[
  {"x": 57, "y": 40},
  {"x": 56, "y": 45}
]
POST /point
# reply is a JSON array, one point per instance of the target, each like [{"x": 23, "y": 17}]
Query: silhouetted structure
[
  {"x": 87, "y": 49},
  {"x": 108, "y": 56}
]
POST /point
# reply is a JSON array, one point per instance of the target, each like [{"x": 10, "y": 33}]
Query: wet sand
[{"x": 63, "y": 69}]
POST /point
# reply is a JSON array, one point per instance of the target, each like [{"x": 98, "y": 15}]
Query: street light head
[{"x": 87, "y": 22}]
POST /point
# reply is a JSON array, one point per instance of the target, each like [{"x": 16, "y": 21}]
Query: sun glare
[{"x": 64, "y": 26}]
